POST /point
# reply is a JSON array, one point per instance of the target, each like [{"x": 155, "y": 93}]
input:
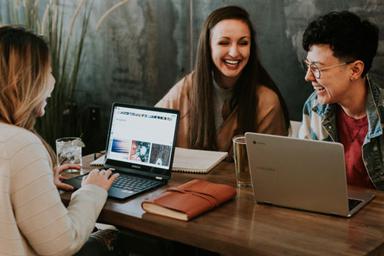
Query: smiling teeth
[{"x": 232, "y": 62}]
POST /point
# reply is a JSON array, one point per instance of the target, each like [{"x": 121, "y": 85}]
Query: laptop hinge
[{"x": 158, "y": 178}]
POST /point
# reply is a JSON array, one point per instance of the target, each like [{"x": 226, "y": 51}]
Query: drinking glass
[
  {"x": 243, "y": 178},
  {"x": 68, "y": 151}
]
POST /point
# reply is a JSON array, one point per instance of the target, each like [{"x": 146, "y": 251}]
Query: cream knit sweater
[{"x": 33, "y": 220}]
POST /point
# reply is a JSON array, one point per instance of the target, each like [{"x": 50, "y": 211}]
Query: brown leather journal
[{"x": 189, "y": 200}]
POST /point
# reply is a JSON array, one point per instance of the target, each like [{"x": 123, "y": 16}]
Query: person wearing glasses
[
  {"x": 229, "y": 92},
  {"x": 345, "y": 106}
]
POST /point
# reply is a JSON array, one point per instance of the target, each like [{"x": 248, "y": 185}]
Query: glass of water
[{"x": 68, "y": 151}]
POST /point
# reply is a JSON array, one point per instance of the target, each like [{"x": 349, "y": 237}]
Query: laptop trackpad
[{"x": 120, "y": 193}]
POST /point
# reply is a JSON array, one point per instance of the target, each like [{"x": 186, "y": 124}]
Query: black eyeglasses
[{"x": 316, "y": 71}]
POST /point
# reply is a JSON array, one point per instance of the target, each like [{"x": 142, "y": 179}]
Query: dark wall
[{"x": 144, "y": 46}]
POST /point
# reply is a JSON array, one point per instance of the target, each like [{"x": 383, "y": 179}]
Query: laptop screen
[{"x": 141, "y": 136}]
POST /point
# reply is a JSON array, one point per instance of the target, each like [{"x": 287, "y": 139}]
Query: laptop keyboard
[
  {"x": 352, "y": 203},
  {"x": 133, "y": 183}
]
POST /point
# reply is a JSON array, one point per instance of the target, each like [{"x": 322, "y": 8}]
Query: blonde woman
[{"x": 33, "y": 220}]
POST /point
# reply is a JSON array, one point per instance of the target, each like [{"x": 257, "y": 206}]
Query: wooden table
[{"x": 243, "y": 227}]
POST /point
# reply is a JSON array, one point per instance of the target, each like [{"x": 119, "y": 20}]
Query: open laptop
[
  {"x": 302, "y": 174},
  {"x": 140, "y": 147}
]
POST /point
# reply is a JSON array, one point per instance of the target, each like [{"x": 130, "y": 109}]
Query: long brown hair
[
  {"x": 24, "y": 70},
  {"x": 202, "y": 125}
]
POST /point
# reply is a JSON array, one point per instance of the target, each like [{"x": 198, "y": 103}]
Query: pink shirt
[{"x": 351, "y": 134}]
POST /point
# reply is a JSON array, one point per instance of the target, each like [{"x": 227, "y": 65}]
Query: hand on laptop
[
  {"x": 102, "y": 178},
  {"x": 58, "y": 177}
]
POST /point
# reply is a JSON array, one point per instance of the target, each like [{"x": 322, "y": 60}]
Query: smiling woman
[
  {"x": 229, "y": 92},
  {"x": 230, "y": 46}
]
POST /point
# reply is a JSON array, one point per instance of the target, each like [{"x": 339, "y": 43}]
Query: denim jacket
[{"x": 319, "y": 123}]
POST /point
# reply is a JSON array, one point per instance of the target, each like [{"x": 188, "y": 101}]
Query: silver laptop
[{"x": 302, "y": 174}]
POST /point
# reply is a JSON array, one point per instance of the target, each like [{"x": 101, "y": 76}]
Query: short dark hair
[{"x": 349, "y": 37}]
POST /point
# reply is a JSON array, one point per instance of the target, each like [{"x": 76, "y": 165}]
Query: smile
[
  {"x": 232, "y": 62},
  {"x": 319, "y": 89}
]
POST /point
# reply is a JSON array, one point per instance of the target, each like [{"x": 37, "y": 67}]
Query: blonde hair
[{"x": 24, "y": 69}]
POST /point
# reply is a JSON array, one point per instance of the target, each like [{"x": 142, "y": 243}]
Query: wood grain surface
[{"x": 243, "y": 227}]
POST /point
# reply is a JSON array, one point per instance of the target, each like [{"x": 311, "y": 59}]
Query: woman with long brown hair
[
  {"x": 33, "y": 220},
  {"x": 229, "y": 92}
]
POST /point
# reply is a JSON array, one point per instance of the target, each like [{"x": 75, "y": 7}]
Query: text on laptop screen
[{"x": 141, "y": 136}]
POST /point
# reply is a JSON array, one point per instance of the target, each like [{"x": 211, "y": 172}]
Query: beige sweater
[
  {"x": 33, "y": 220},
  {"x": 270, "y": 117}
]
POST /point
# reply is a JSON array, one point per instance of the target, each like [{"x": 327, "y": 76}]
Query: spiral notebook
[
  {"x": 188, "y": 160},
  {"x": 196, "y": 161}
]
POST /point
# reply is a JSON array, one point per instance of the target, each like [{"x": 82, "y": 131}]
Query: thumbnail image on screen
[
  {"x": 120, "y": 146},
  {"x": 139, "y": 151},
  {"x": 160, "y": 154}
]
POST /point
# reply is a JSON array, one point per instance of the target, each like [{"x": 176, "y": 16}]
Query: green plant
[{"x": 49, "y": 18}]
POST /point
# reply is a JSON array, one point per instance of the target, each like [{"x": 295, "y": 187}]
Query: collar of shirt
[
  {"x": 222, "y": 97},
  {"x": 374, "y": 109}
]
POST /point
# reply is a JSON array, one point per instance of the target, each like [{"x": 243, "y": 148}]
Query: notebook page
[{"x": 196, "y": 161}]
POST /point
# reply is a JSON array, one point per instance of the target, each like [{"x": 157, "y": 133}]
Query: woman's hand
[
  {"x": 102, "y": 178},
  {"x": 58, "y": 177}
]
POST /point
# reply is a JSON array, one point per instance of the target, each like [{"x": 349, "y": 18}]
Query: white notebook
[
  {"x": 99, "y": 161},
  {"x": 188, "y": 160},
  {"x": 196, "y": 161}
]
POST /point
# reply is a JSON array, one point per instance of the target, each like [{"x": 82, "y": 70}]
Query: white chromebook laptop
[{"x": 302, "y": 174}]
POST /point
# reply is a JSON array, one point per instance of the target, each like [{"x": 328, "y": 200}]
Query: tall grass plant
[{"x": 65, "y": 34}]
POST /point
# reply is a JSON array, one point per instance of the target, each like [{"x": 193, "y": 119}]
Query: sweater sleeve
[
  {"x": 270, "y": 117},
  {"x": 170, "y": 99},
  {"x": 49, "y": 227},
  {"x": 175, "y": 97}
]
